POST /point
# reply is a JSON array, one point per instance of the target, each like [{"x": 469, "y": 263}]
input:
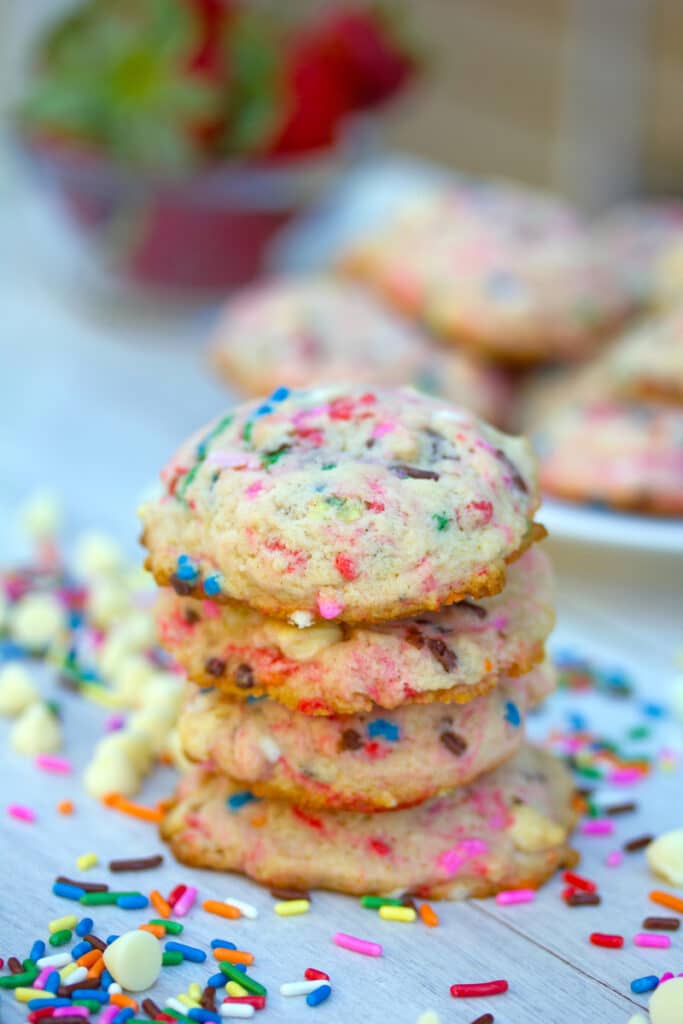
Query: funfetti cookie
[
  {"x": 507, "y": 830},
  {"x": 343, "y": 504},
  {"x": 372, "y": 762},
  {"x": 310, "y": 330},
  {"x": 647, "y": 362},
  {"x": 338, "y": 668},
  {"x": 625, "y": 455},
  {"x": 509, "y": 273}
]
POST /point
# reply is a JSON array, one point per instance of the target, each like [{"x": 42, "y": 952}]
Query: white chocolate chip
[
  {"x": 130, "y": 677},
  {"x": 108, "y": 601},
  {"x": 666, "y": 1002},
  {"x": 637, "y": 1018},
  {"x": 41, "y": 515},
  {"x": 665, "y": 857},
  {"x": 531, "y": 831},
  {"x": 36, "y": 731},
  {"x": 134, "y": 960},
  {"x": 111, "y": 775},
  {"x": 302, "y": 645},
  {"x": 37, "y": 621},
  {"x": 302, "y": 620},
  {"x": 429, "y": 1017},
  {"x": 97, "y": 554},
  {"x": 17, "y": 691}
]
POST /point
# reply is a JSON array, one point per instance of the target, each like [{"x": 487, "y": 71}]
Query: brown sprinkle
[
  {"x": 639, "y": 843},
  {"x": 453, "y": 742},
  {"x": 208, "y": 1000},
  {"x": 71, "y": 1019},
  {"x": 86, "y": 886},
  {"x": 662, "y": 924},
  {"x": 446, "y": 657},
  {"x": 290, "y": 894},
  {"x": 14, "y": 965},
  {"x": 350, "y": 740},
  {"x": 151, "y": 1008},
  {"x": 65, "y": 990},
  {"x": 486, "y": 1018},
  {"x": 137, "y": 863},
  {"x": 94, "y": 941},
  {"x": 624, "y": 808},
  {"x": 584, "y": 899},
  {"x": 404, "y": 472}
]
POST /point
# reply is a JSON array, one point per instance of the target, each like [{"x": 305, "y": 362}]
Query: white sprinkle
[
  {"x": 242, "y": 1010},
  {"x": 56, "y": 960},
  {"x": 80, "y": 974},
  {"x": 270, "y": 748},
  {"x": 114, "y": 989},
  {"x": 246, "y": 909},
  {"x": 175, "y": 1004},
  {"x": 301, "y": 988}
]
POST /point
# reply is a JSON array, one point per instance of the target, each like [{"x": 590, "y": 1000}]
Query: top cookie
[
  {"x": 310, "y": 330},
  {"x": 340, "y": 503},
  {"x": 507, "y": 272}
]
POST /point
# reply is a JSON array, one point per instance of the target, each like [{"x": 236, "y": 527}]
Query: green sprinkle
[
  {"x": 375, "y": 902},
  {"x": 61, "y": 937},
  {"x": 24, "y": 980},
  {"x": 173, "y": 1013},
  {"x": 247, "y": 432},
  {"x": 244, "y": 980},
  {"x": 441, "y": 520},
  {"x": 639, "y": 732},
  {"x": 171, "y": 958},
  {"x": 103, "y": 899},
  {"x": 92, "y": 1004},
  {"x": 588, "y": 772},
  {"x": 171, "y": 927},
  {"x": 270, "y": 458},
  {"x": 185, "y": 482},
  {"x": 203, "y": 446},
  {"x": 335, "y": 501},
  {"x": 329, "y": 465}
]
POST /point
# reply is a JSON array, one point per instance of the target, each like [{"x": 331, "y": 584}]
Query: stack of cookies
[{"x": 350, "y": 582}]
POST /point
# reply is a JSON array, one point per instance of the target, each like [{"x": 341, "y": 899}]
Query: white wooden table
[{"x": 93, "y": 400}]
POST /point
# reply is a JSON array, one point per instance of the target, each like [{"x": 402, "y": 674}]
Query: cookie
[
  {"x": 507, "y": 830},
  {"x": 373, "y": 762},
  {"x": 333, "y": 668},
  {"x": 625, "y": 455},
  {"x": 506, "y": 272},
  {"x": 305, "y": 331},
  {"x": 343, "y": 504},
  {"x": 647, "y": 362}
]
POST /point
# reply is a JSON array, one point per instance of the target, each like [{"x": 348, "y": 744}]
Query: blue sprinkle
[
  {"x": 80, "y": 949},
  {"x": 653, "y": 710},
  {"x": 279, "y": 394},
  {"x": 52, "y": 982},
  {"x": 186, "y": 570},
  {"x": 9, "y": 650},
  {"x": 105, "y": 979},
  {"x": 383, "y": 727},
  {"x": 512, "y": 714},
  {"x": 240, "y": 967},
  {"x": 197, "y": 956},
  {"x": 84, "y": 926},
  {"x": 90, "y": 993},
  {"x": 645, "y": 984},
  {"x": 123, "y": 1015},
  {"x": 206, "y": 689},
  {"x": 238, "y": 800},
  {"x": 37, "y": 950},
  {"x": 319, "y": 995},
  {"x": 222, "y": 944},
  {"x": 576, "y": 721},
  {"x": 136, "y": 901},
  {"x": 40, "y": 1004},
  {"x": 217, "y": 980},
  {"x": 202, "y": 1015},
  {"x": 111, "y": 938},
  {"x": 251, "y": 699},
  {"x": 263, "y": 410},
  {"x": 212, "y": 585},
  {"x": 69, "y": 892}
]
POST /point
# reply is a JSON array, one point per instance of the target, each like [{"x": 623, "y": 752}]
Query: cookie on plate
[
  {"x": 344, "y": 504},
  {"x": 372, "y": 762},
  {"x": 508, "y": 829},
  {"x": 509, "y": 273},
  {"x": 647, "y": 362},
  {"x": 337, "y": 668},
  {"x": 305, "y": 331},
  {"x": 625, "y": 455}
]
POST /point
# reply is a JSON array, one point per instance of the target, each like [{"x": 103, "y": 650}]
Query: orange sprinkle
[
  {"x": 159, "y": 903},
  {"x": 221, "y": 909},
  {"x": 96, "y": 968},
  {"x": 88, "y": 959},
  {"x": 257, "y": 821},
  {"x": 665, "y": 899},
  {"x": 157, "y": 930},
  {"x": 429, "y": 915},
  {"x": 118, "y": 999},
  {"x": 121, "y": 803},
  {"x": 233, "y": 956},
  {"x": 65, "y": 807}
]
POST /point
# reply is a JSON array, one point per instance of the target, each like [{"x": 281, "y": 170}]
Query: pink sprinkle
[
  {"x": 21, "y": 813},
  {"x": 77, "y": 1011},
  {"x": 614, "y": 859},
  {"x": 52, "y": 763},
  {"x": 625, "y": 776},
  {"x": 113, "y": 723},
  {"x": 186, "y": 902},
  {"x": 107, "y": 1015},
  {"x": 451, "y": 860},
  {"x": 597, "y": 827},
  {"x": 383, "y": 428},
  {"x": 652, "y": 941},
  {"x": 357, "y": 945},
  {"x": 328, "y": 608},
  {"x": 253, "y": 489},
  {"x": 42, "y": 977},
  {"x": 510, "y": 896},
  {"x": 667, "y": 976}
]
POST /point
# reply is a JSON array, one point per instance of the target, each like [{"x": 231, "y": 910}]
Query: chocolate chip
[
  {"x": 244, "y": 677},
  {"x": 413, "y": 472},
  {"x": 517, "y": 478},
  {"x": 446, "y": 657},
  {"x": 350, "y": 740},
  {"x": 453, "y": 742},
  {"x": 181, "y": 587},
  {"x": 190, "y": 616},
  {"x": 414, "y": 637},
  {"x": 476, "y": 609},
  {"x": 215, "y": 666}
]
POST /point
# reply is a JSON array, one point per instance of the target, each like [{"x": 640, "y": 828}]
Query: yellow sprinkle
[
  {"x": 194, "y": 991},
  {"x": 101, "y": 696},
  {"x": 68, "y": 921},
  {"x": 233, "y": 988},
  {"x": 290, "y": 907},
  {"x": 87, "y": 860},
  {"x": 397, "y": 913},
  {"x": 66, "y": 971},
  {"x": 186, "y": 1001},
  {"x": 25, "y": 995}
]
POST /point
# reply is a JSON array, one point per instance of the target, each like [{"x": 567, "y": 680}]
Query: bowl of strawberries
[{"x": 180, "y": 137}]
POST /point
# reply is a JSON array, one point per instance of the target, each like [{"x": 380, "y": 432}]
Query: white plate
[{"x": 618, "y": 529}]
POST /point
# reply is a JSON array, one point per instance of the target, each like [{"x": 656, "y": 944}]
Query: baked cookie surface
[
  {"x": 306, "y": 331},
  {"x": 508, "y": 829},
  {"x": 373, "y": 762},
  {"x": 345, "y": 504},
  {"x": 336, "y": 668}
]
